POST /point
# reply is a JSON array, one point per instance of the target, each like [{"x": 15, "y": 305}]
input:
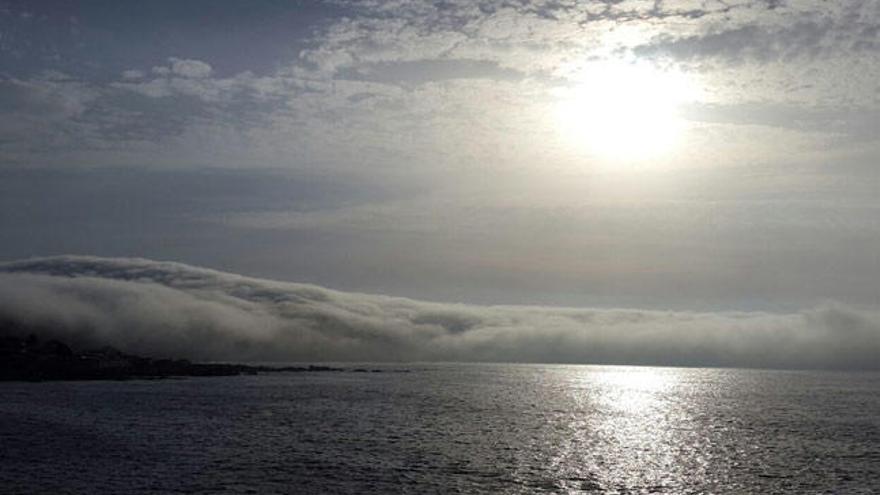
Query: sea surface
[{"x": 452, "y": 428}]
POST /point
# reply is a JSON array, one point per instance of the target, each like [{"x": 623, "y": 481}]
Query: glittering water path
[{"x": 449, "y": 428}]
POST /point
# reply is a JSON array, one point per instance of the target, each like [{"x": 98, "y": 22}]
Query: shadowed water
[{"x": 449, "y": 428}]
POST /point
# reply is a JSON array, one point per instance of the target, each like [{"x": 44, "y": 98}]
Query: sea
[{"x": 448, "y": 428}]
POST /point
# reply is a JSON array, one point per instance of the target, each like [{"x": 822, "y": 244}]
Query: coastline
[{"x": 32, "y": 359}]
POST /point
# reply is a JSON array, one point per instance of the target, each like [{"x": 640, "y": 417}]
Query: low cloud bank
[{"x": 172, "y": 309}]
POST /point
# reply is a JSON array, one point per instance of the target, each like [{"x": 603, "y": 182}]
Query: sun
[{"x": 624, "y": 112}]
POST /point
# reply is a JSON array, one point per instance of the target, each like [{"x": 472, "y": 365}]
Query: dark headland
[{"x": 30, "y": 358}]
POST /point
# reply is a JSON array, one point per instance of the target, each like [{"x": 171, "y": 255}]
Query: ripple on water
[{"x": 449, "y": 429}]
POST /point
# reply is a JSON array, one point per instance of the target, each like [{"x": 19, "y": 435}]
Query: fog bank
[{"x": 171, "y": 309}]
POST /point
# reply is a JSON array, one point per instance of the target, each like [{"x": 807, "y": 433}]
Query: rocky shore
[{"x": 32, "y": 359}]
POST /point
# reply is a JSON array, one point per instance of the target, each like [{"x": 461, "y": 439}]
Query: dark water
[{"x": 449, "y": 429}]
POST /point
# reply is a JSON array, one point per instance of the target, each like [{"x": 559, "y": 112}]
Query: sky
[{"x": 706, "y": 156}]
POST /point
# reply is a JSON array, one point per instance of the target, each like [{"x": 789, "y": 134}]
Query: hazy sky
[{"x": 687, "y": 155}]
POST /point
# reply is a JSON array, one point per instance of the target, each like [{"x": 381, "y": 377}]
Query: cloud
[
  {"x": 164, "y": 308},
  {"x": 52, "y": 96},
  {"x": 408, "y": 82},
  {"x": 744, "y": 43},
  {"x": 186, "y": 77},
  {"x": 798, "y": 32},
  {"x": 132, "y": 74},
  {"x": 43, "y": 115},
  {"x": 189, "y": 68}
]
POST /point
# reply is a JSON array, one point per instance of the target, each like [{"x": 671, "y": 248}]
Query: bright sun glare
[{"x": 624, "y": 111}]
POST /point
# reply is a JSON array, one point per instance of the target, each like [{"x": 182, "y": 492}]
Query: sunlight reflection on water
[
  {"x": 623, "y": 410},
  {"x": 450, "y": 428},
  {"x": 635, "y": 416}
]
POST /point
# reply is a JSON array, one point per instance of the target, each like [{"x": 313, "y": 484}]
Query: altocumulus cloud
[{"x": 165, "y": 308}]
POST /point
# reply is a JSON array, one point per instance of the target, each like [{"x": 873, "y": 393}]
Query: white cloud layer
[
  {"x": 452, "y": 66},
  {"x": 164, "y": 308}
]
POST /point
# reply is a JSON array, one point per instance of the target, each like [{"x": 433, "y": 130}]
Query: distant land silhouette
[{"x": 29, "y": 358}]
